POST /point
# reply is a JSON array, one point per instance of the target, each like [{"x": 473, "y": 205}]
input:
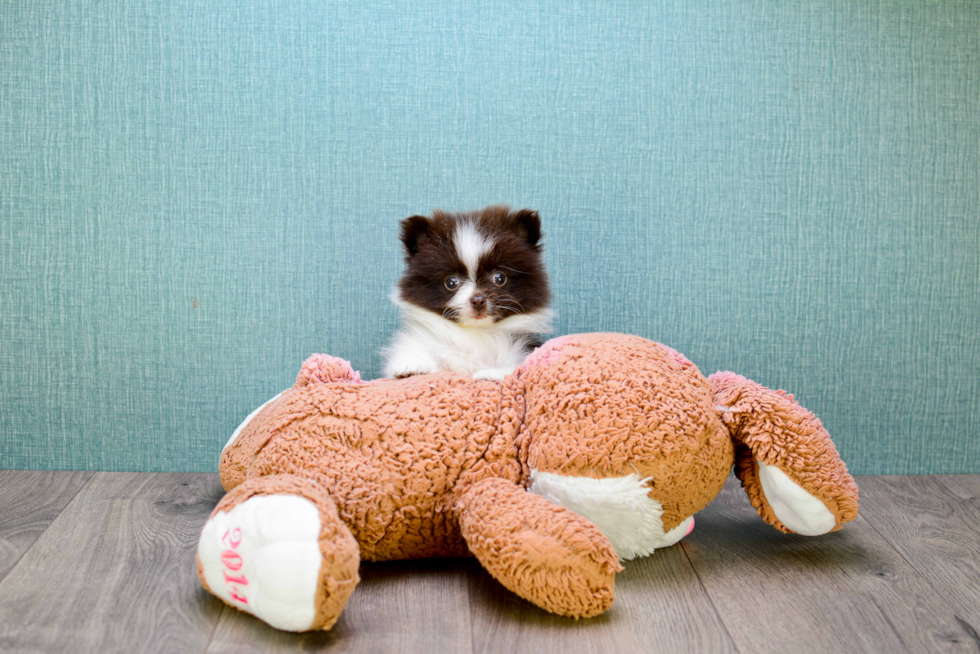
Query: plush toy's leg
[
  {"x": 539, "y": 550},
  {"x": 275, "y": 547},
  {"x": 785, "y": 459}
]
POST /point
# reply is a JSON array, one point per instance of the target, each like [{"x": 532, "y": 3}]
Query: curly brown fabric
[
  {"x": 770, "y": 426},
  {"x": 611, "y": 404},
  {"x": 541, "y": 551},
  {"x": 438, "y": 465},
  {"x": 394, "y": 455}
]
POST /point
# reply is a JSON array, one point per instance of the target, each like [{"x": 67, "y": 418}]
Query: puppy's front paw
[
  {"x": 409, "y": 368},
  {"x": 404, "y": 374},
  {"x": 494, "y": 374}
]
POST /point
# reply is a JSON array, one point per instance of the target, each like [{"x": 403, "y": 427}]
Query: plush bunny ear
[
  {"x": 415, "y": 233},
  {"x": 784, "y": 457},
  {"x": 528, "y": 224}
]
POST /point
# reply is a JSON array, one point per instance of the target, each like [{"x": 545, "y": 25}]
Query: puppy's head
[{"x": 475, "y": 268}]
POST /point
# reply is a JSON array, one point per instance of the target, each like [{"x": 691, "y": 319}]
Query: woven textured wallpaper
[{"x": 195, "y": 196}]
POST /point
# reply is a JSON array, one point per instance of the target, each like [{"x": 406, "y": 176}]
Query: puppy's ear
[
  {"x": 528, "y": 225},
  {"x": 415, "y": 233}
]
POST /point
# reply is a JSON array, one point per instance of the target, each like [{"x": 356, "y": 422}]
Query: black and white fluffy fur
[{"x": 473, "y": 295}]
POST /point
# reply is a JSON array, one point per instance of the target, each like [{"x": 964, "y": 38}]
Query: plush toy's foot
[
  {"x": 275, "y": 547},
  {"x": 785, "y": 459},
  {"x": 796, "y": 509}
]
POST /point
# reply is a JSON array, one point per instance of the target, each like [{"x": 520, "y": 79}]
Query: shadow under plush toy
[{"x": 599, "y": 448}]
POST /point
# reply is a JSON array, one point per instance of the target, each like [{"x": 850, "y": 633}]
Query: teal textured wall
[{"x": 196, "y": 195}]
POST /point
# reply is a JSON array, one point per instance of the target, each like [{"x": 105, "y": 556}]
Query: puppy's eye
[
  {"x": 452, "y": 282},
  {"x": 499, "y": 278}
]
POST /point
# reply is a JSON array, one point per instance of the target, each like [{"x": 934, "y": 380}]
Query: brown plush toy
[{"x": 599, "y": 448}]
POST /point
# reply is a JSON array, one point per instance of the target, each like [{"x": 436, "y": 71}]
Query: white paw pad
[
  {"x": 795, "y": 508},
  {"x": 263, "y": 556}
]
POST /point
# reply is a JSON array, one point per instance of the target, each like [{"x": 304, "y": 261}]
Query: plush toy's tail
[
  {"x": 784, "y": 457},
  {"x": 254, "y": 432},
  {"x": 323, "y": 368}
]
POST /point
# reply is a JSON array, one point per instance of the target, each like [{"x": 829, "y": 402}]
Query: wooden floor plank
[
  {"x": 115, "y": 571},
  {"x": 660, "y": 607},
  {"x": 402, "y": 606},
  {"x": 935, "y": 523},
  {"x": 845, "y": 591},
  {"x": 30, "y": 500},
  {"x": 965, "y": 487}
]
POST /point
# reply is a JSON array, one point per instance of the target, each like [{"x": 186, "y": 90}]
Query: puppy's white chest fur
[
  {"x": 428, "y": 343},
  {"x": 473, "y": 292}
]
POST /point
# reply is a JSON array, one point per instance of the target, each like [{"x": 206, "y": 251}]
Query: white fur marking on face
[
  {"x": 461, "y": 300},
  {"x": 264, "y": 557},
  {"x": 620, "y": 507},
  {"x": 471, "y": 244},
  {"x": 795, "y": 508},
  {"x": 245, "y": 422}
]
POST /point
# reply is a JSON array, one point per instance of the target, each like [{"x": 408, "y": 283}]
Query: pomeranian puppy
[{"x": 473, "y": 295}]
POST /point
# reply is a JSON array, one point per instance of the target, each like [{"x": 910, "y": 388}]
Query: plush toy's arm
[
  {"x": 539, "y": 550},
  {"x": 785, "y": 459}
]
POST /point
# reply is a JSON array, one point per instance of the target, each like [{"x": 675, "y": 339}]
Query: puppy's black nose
[{"x": 479, "y": 302}]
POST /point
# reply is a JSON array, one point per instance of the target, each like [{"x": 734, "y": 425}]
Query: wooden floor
[{"x": 104, "y": 562}]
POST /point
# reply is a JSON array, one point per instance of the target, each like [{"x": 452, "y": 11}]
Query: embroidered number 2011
[{"x": 233, "y": 562}]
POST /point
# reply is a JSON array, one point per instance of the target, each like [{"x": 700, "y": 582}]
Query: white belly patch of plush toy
[{"x": 621, "y": 507}]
